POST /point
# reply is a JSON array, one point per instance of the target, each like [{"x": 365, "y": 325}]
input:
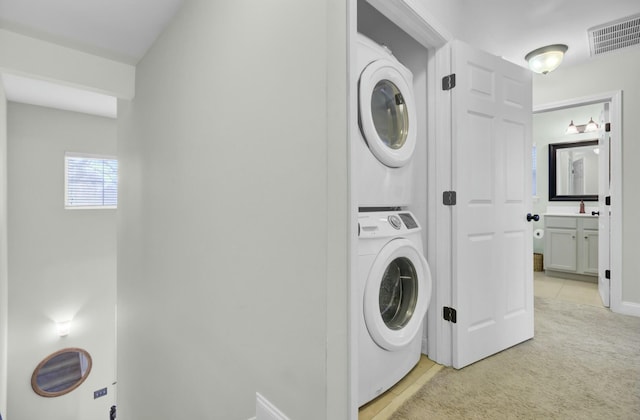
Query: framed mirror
[
  {"x": 61, "y": 372},
  {"x": 573, "y": 171}
]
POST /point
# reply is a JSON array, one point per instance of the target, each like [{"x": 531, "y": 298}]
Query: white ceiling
[
  {"x": 512, "y": 28},
  {"x": 121, "y": 30},
  {"x": 124, "y": 30}
]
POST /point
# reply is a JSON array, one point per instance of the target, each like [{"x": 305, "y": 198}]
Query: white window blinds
[{"x": 90, "y": 181}]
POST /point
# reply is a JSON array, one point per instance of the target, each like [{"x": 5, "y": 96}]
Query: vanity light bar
[{"x": 583, "y": 128}]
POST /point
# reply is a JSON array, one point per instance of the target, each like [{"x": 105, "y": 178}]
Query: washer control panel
[
  {"x": 395, "y": 221},
  {"x": 408, "y": 220},
  {"x": 384, "y": 224}
]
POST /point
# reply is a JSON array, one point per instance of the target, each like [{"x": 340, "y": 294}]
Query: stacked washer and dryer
[{"x": 394, "y": 280}]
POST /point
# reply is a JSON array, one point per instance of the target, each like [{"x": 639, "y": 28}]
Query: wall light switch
[{"x": 99, "y": 393}]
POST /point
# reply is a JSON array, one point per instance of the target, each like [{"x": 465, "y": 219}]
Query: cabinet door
[
  {"x": 590, "y": 252},
  {"x": 560, "y": 251}
]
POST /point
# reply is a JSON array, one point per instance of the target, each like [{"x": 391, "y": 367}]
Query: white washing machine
[
  {"x": 387, "y": 127},
  {"x": 394, "y": 281}
]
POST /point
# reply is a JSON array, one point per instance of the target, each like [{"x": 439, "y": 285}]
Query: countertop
[{"x": 569, "y": 214}]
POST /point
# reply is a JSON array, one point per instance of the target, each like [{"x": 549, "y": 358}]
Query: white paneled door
[{"x": 492, "y": 249}]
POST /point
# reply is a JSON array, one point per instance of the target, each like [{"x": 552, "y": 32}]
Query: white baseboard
[
  {"x": 267, "y": 411},
  {"x": 628, "y": 308}
]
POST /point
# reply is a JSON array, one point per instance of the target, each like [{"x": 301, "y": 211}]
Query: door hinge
[
  {"x": 449, "y": 82},
  {"x": 449, "y": 198},
  {"x": 607, "y": 127},
  {"x": 607, "y": 274},
  {"x": 607, "y": 200},
  {"x": 449, "y": 314}
]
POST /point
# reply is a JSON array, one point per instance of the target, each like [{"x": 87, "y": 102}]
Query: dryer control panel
[{"x": 383, "y": 224}]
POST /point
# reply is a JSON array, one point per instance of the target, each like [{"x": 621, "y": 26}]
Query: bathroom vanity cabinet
[{"x": 571, "y": 246}]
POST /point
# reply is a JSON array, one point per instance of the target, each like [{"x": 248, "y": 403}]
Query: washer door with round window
[
  {"x": 397, "y": 295},
  {"x": 387, "y": 112}
]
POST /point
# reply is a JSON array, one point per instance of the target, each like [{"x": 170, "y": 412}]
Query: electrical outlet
[{"x": 99, "y": 393}]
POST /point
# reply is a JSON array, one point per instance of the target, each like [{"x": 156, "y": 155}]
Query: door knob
[
  {"x": 595, "y": 213},
  {"x": 533, "y": 217}
]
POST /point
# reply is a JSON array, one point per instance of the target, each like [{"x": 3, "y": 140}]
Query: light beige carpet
[{"x": 583, "y": 363}]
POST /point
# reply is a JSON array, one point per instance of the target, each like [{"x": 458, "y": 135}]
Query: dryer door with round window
[
  {"x": 397, "y": 295},
  {"x": 387, "y": 112}
]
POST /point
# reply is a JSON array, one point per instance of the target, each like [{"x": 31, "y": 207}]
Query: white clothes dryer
[
  {"x": 387, "y": 127},
  {"x": 394, "y": 284}
]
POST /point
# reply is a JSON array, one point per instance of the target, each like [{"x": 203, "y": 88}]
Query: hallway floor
[
  {"x": 543, "y": 286},
  {"x": 568, "y": 290}
]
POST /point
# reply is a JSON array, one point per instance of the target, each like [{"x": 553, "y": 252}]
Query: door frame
[
  {"x": 440, "y": 225},
  {"x": 614, "y": 98}
]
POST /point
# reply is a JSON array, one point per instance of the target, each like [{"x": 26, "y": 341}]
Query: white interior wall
[
  {"x": 4, "y": 289},
  {"x": 61, "y": 262},
  {"x": 30, "y": 57},
  {"x": 232, "y": 231},
  {"x": 615, "y": 71},
  {"x": 443, "y": 15},
  {"x": 550, "y": 127}
]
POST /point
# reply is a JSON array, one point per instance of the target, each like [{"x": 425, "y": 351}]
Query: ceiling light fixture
[
  {"x": 63, "y": 328},
  {"x": 546, "y": 59}
]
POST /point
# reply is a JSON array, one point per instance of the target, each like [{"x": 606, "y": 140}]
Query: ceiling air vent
[{"x": 615, "y": 35}]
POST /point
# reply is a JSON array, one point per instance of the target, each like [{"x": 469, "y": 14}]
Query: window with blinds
[{"x": 91, "y": 182}]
